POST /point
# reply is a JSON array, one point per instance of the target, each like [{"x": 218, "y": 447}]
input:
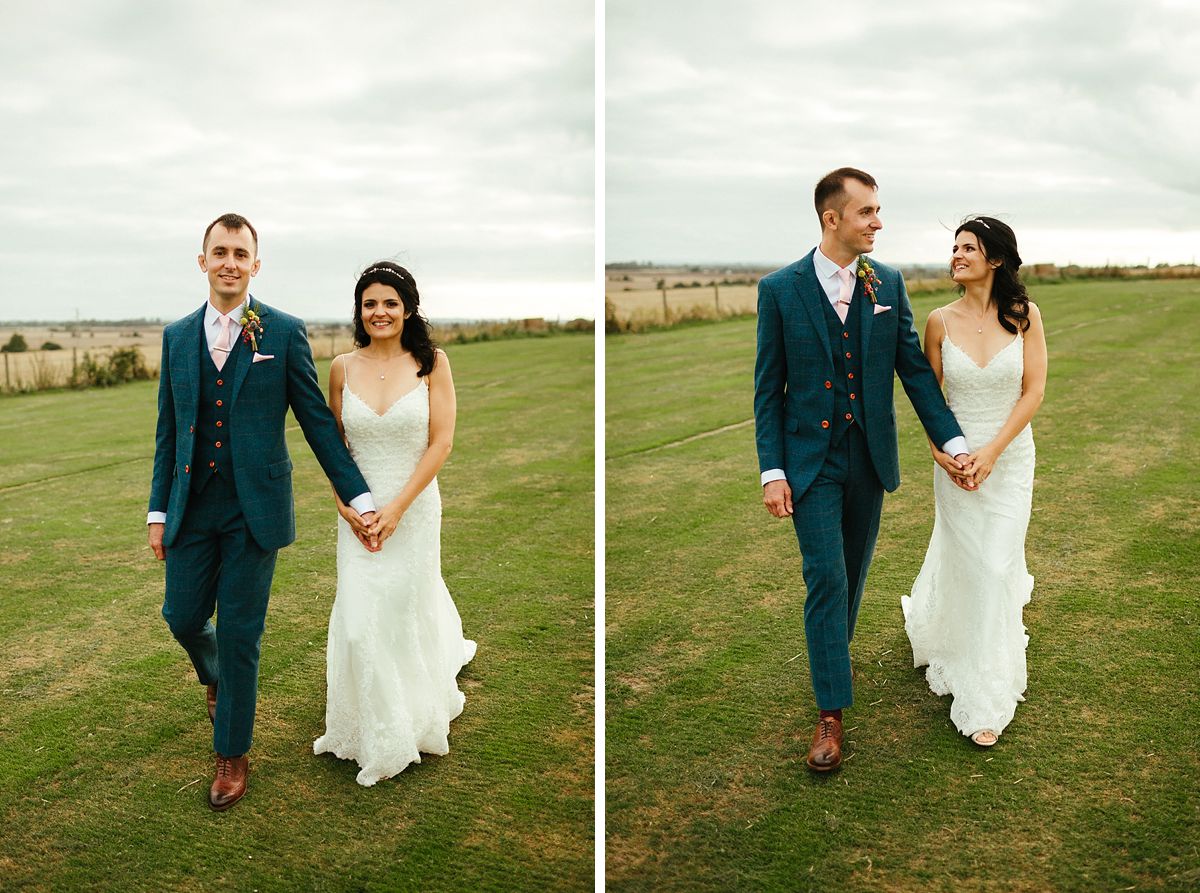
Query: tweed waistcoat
[
  {"x": 213, "y": 454},
  {"x": 845, "y": 339}
]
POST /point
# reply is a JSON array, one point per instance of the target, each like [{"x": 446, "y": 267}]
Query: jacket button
[
  {"x": 219, "y": 424},
  {"x": 847, "y": 355},
  {"x": 212, "y": 464},
  {"x": 219, "y": 382},
  {"x": 187, "y": 469},
  {"x": 191, "y": 429},
  {"x": 220, "y": 403},
  {"x": 218, "y": 444},
  {"x": 849, "y": 416},
  {"x": 825, "y": 423},
  {"x": 851, "y": 397},
  {"x": 828, "y": 385}
]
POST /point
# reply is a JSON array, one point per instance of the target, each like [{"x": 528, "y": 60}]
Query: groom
[
  {"x": 221, "y": 495},
  {"x": 833, "y": 330}
]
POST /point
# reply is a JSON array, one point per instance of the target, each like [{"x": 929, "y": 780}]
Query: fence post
[
  {"x": 717, "y": 296},
  {"x": 666, "y": 312},
  {"x": 7, "y": 380},
  {"x": 74, "y": 363}
]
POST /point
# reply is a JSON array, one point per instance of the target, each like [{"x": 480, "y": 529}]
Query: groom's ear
[{"x": 203, "y": 265}]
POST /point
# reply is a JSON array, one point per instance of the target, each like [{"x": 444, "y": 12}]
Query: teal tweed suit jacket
[
  {"x": 260, "y": 397},
  {"x": 795, "y": 359}
]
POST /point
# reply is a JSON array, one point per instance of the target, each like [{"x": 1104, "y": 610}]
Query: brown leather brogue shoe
[
  {"x": 229, "y": 786},
  {"x": 825, "y": 754},
  {"x": 211, "y": 696}
]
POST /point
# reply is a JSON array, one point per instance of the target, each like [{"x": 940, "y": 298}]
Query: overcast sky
[
  {"x": 1076, "y": 122},
  {"x": 456, "y": 138}
]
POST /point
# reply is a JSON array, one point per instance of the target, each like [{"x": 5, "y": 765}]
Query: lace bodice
[
  {"x": 982, "y": 398},
  {"x": 388, "y": 447}
]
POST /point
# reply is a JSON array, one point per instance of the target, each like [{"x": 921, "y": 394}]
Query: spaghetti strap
[{"x": 945, "y": 328}]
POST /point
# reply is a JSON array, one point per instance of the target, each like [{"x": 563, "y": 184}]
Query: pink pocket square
[
  {"x": 880, "y": 308},
  {"x": 260, "y": 357}
]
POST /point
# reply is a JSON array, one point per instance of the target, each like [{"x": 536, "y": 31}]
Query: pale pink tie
[
  {"x": 220, "y": 350},
  {"x": 844, "y": 293}
]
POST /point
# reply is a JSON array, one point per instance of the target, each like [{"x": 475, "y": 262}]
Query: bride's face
[
  {"x": 382, "y": 312},
  {"x": 967, "y": 260}
]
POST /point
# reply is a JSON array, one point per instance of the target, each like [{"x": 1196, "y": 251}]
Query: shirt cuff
[
  {"x": 156, "y": 517},
  {"x": 955, "y": 445},
  {"x": 363, "y": 503},
  {"x": 773, "y": 474}
]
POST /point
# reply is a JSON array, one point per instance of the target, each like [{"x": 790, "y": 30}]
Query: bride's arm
[
  {"x": 934, "y": 330},
  {"x": 442, "y": 410},
  {"x": 1033, "y": 389},
  {"x": 933, "y": 343},
  {"x": 337, "y": 378}
]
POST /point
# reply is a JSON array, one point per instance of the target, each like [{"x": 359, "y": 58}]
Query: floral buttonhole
[
  {"x": 869, "y": 280},
  {"x": 252, "y": 326}
]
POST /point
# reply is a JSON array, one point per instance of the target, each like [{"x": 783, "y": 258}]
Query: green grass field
[
  {"x": 106, "y": 756},
  {"x": 1094, "y": 786}
]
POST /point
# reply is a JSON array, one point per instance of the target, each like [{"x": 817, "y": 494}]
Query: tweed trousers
[
  {"x": 837, "y": 522},
  {"x": 215, "y": 565}
]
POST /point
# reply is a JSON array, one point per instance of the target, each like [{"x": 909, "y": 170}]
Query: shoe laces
[
  {"x": 223, "y": 764},
  {"x": 826, "y": 728}
]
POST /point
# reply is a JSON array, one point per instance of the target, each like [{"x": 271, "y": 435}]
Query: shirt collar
[
  {"x": 827, "y": 269},
  {"x": 212, "y": 314}
]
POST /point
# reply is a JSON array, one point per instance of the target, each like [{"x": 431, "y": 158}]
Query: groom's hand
[
  {"x": 369, "y": 540},
  {"x": 777, "y": 497},
  {"x": 155, "y": 535},
  {"x": 965, "y": 481}
]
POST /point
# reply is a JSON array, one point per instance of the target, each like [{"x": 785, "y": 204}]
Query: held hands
[
  {"x": 361, "y": 525},
  {"x": 386, "y": 521},
  {"x": 967, "y": 471},
  {"x": 982, "y": 462}
]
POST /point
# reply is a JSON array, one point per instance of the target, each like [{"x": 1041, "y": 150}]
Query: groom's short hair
[
  {"x": 831, "y": 189},
  {"x": 231, "y": 222}
]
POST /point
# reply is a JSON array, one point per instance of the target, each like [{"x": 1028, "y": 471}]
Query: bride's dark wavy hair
[
  {"x": 999, "y": 243},
  {"x": 415, "y": 337}
]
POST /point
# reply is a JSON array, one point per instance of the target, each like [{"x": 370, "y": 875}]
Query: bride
[
  {"x": 964, "y": 615},
  {"x": 395, "y": 639}
]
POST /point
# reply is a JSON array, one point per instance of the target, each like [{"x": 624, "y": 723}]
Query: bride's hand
[
  {"x": 385, "y": 522},
  {"x": 982, "y": 462},
  {"x": 961, "y": 476}
]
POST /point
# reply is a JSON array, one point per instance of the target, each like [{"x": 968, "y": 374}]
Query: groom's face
[
  {"x": 859, "y": 220},
  {"x": 230, "y": 259}
]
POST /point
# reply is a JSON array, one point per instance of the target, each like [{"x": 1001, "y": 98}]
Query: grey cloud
[
  {"x": 1069, "y": 116},
  {"x": 461, "y": 133}
]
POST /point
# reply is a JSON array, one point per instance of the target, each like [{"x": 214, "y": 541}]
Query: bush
[
  {"x": 124, "y": 364},
  {"x": 16, "y": 344},
  {"x": 50, "y": 345}
]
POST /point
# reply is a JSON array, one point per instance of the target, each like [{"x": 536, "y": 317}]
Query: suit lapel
[
  {"x": 245, "y": 357},
  {"x": 810, "y": 294},
  {"x": 194, "y": 344},
  {"x": 866, "y": 312}
]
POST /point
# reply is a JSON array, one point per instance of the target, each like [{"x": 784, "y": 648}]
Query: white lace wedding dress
[
  {"x": 395, "y": 638},
  {"x": 964, "y": 615}
]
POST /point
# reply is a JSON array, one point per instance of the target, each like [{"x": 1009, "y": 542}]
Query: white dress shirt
[
  {"x": 363, "y": 503},
  {"x": 827, "y": 275}
]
